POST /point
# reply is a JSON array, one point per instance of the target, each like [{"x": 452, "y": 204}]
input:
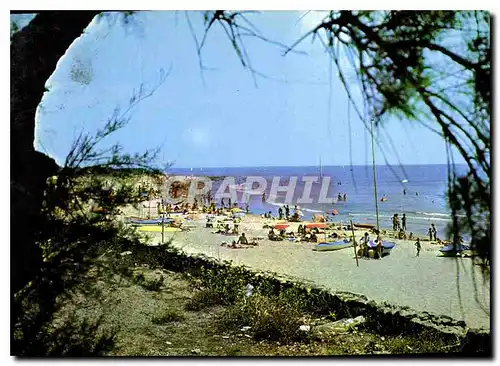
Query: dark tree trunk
[{"x": 34, "y": 51}]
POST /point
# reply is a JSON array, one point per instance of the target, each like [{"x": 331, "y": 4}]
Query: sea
[{"x": 419, "y": 191}]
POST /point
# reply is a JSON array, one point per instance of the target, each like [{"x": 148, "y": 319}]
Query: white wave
[
  {"x": 427, "y": 218},
  {"x": 275, "y": 203},
  {"x": 311, "y": 210},
  {"x": 433, "y": 214}
]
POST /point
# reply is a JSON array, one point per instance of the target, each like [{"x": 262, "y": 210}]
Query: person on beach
[
  {"x": 299, "y": 230},
  {"x": 229, "y": 204},
  {"x": 345, "y": 196},
  {"x": 287, "y": 212},
  {"x": 280, "y": 213},
  {"x": 404, "y": 192},
  {"x": 403, "y": 222},
  {"x": 242, "y": 239},
  {"x": 417, "y": 244},
  {"x": 339, "y": 197},
  {"x": 364, "y": 244},
  {"x": 434, "y": 231},
  {"x": 394, "y": 222},
  {"x": 264, "y": 197},
  {"x": 430, "y": 233},
  {"x": 222, "y": 203},
  {"x": 247, "y": 208},
  {"x": 379, "y": 247},
  {"x": 313, "y": 237}
]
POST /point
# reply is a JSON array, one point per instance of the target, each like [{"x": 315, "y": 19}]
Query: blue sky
[{"x": 225, "y": 120}]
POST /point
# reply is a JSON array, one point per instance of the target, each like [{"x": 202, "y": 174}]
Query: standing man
[
  {"x": 417, "y": 244},
  {"x": 403, "y": 222},
  {"x": 379, "y": 247},
  {"x": 434, "y": 231},
  {"x": 287, "y": 212},
  {"x": 280, "y": 213}
]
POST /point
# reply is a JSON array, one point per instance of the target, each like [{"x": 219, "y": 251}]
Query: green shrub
[
  {"x": 167, "y": 316},
  {"x": 153, "y": 284},
  {"x": 275, "y": 318},
  {"x": 204, "y": 299}
]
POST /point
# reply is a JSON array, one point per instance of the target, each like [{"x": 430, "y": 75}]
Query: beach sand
[{"x": 425, "y": 283}]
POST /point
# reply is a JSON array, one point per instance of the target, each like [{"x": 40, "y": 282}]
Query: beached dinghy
[
  {"x": 452, "y": 250},
  {"x": 334, "y": 245},
  {"x": 158, "y": 229},
  {"x": 387, "y": 246},
  {"x": 364, "y": 226},
  {"x": 150, "y": 221}
]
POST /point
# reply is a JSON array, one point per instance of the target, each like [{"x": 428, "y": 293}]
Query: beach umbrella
[{"x": 281, "y": 226}]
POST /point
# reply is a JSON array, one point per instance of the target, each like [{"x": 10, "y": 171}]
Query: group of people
[
  {"x": 432, "y": 232},
  {"x": 396, "y": 225},
  {"x": 302, "y": 234},
  {"x": 294, "y": 218},
  {"x": 341, "y": 197},
  {"x": 241, "y": 243},
  {"x": 364, "y": 247}
]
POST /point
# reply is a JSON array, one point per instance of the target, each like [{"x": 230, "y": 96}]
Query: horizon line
[{"x": 306, "y": 166}]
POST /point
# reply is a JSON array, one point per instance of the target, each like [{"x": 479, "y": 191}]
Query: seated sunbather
[{"x": 242, "y": 239}]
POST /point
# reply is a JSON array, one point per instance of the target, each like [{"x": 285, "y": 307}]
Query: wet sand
[{"x": 424, "y": 283}]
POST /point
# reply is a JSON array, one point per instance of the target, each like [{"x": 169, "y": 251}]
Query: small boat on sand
[
  {"x": 317, "y": 225},
  {"x": 150, "y": 221},
  {"x": 335, "y": 245},
  {"x": 158, "y": 229},
  {"x": 452, "y": 250},
  {"x": 387, "y": 246},
  {"x": 364, "y": 226}
]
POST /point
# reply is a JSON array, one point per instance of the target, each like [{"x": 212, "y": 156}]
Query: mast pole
[{"x": 374, "y": 175}]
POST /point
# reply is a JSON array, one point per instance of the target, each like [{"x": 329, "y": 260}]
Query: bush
[
  {"x": 217, "y": 288},
  {"x": 153, "y": 284},
  {"x": 275, "y": 318},
  {"x": 168, "y": 316},
  {"x": 204, "y": 299}
]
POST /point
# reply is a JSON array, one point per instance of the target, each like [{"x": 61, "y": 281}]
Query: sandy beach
[{"x": 425, "y": 283}]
